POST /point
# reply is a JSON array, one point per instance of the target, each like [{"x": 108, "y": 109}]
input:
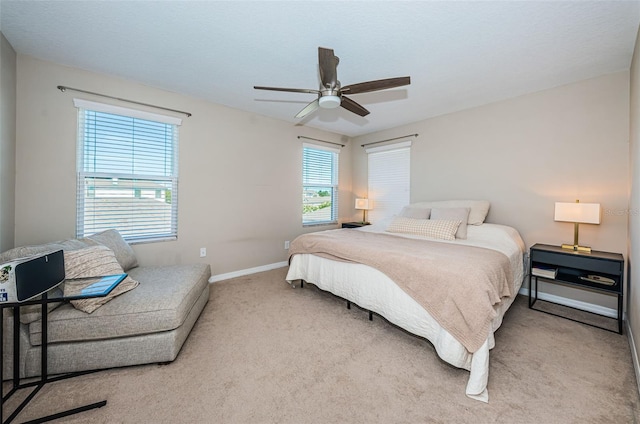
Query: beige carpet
[{"x": 263, "y": 352}]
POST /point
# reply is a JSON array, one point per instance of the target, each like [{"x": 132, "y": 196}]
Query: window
[
  {"x": 319, "y": 185},
  {"x": 389, "y": 179},
  {"x": 127, "y": 163}
]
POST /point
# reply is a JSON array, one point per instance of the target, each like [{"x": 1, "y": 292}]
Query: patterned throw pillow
[
  {"x": 433, "y": 228},
  {"x": 93, "y": 261}
]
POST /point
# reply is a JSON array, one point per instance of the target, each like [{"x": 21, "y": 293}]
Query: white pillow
[
  {"x": 479, "y": 208},
  {"x": 453, "y": 214},
  {"x": 433, "y": 228}
]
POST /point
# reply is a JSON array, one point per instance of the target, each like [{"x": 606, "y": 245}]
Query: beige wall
[
  {"x": 7, "y": 143},
  {"x": 240, "y": 173},
  {"x": 526, "y": 153},
  {"x": 633, "y": 264}
]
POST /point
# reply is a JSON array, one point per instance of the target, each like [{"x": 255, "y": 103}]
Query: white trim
[
  {"x": 392, "y": 146},
  {"x": 589, "y": 307},
  {"x": 248, "y": 271},
  {"x": 125, "y": 111},
  {"x": 319, "y": 146},
  {"x": 634, "y": 353}
]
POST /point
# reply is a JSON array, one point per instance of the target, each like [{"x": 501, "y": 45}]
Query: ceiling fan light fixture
[
  {"x": 330, "y": 92},
  {"x": 329, "y": 102}
]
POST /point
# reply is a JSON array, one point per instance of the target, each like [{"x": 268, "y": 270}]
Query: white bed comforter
[{"x": 373, "y": 290}]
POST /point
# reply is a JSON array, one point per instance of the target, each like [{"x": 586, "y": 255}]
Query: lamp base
[{"x": 577, "y": 248}]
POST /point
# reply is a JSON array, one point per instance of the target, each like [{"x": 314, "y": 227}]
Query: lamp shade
[
  {"x": 362, "y": 204},
  {"x": 583, "y": 213}
]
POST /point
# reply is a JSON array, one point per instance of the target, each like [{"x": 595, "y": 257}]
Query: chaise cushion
[{"x": 160, "y": 303}]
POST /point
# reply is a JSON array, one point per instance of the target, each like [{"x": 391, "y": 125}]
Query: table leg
[
  {"x": 45, "y": 340},
  {"x": 1, "y": 361},
  {"x": 16, "y": 346}
]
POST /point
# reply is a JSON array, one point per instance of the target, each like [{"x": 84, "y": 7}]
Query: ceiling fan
[{"x": 331, "y": 94}]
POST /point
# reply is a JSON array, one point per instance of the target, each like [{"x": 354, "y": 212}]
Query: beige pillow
[
  {"x": 93, "y": 261},
  {"x": 433, "y": 228},
  {"x": 479, "y": 208},
  {"x": 453, "y": 214},
  {"x": 416, "y": 213},
  {"x": 114, "y": 241}
]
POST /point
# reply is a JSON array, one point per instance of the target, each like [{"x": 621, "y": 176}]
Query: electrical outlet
[
  {"x": 203, "y": 252},
  {"x": 286, "y": 244}
]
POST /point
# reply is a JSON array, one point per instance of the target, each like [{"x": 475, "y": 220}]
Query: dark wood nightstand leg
[
  {"x": 533, "y": 294},
  {"x": 619, "y": 314},
  {"x": 530, "y": 289}
]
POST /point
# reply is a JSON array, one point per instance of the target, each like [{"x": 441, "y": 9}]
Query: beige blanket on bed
[{"x": 458, "y": 285}]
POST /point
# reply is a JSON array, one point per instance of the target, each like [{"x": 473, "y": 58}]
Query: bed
[{"x": 360, "y": 280}]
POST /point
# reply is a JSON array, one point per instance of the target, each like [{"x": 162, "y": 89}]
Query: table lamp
[
  {"x": 578, "y": 213},
  {"x": 364, "y": 205}
]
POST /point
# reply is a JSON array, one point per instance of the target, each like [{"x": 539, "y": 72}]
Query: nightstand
[
  {"x": 354, "y": 224},
  {"x": 600, "y": 272}
]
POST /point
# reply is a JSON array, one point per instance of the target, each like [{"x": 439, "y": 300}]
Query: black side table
[
  {"x": 601, "y": 272},
  {"x": 354, "y": 224},
  {"x": 99, "y": 287}
]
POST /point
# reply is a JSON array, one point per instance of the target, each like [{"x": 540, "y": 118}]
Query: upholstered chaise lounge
[{"x": 148, "y": 324}]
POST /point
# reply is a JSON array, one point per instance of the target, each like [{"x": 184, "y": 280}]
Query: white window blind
[
  {"x": 127, "y": 173},
  {"x": 319, "y": 185},
  {"x": 389, "y": 179}
]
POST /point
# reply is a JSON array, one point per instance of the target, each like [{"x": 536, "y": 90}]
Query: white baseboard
[
  {"x": 247, "y": 271},
  {"x": 578, "y": 304},
  {"x": 634, "y": 353}
]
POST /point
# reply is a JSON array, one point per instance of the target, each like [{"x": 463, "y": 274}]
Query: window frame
[
  {"x": 333, "y": 186},
  {"x": 135, "y": 180}
]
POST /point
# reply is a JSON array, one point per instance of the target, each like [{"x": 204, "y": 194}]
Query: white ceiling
[{"x": 458, "y": 54}]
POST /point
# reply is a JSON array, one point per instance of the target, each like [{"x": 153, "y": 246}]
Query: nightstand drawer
[{"x": 583, "y": 262}]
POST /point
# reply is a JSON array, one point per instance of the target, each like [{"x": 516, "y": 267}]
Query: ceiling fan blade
[
  {"x": 292, "y": 90},
  {"x": 328, "y": 63},
  {"x": 309, "y": 108},
  {"x": 354, "y": 107},
  {"x": 383, "y": 84}
]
